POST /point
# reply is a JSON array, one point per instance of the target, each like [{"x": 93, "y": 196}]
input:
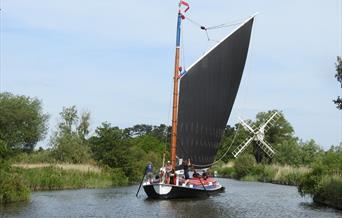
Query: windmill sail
[{"x": 207, "y": 95}]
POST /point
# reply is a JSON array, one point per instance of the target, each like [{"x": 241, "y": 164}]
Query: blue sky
[{"x": 115, "y": 58}]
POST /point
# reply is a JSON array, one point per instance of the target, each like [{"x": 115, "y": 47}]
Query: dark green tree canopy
[
  {"x": 162, "y": 132},
  {"x": 22, "y": 121},
  {"x": 338, "y": 76}
]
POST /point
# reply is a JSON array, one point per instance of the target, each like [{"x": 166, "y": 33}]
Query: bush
[
  {"x": 244, "y": 165},
  {"x": 227, "y": 172},
  {"x": 118, "y": 177},
  {"x": 269, "y": 173},
  {"x": 12, "y": 185},
  {"x": 330, "y": 191}
]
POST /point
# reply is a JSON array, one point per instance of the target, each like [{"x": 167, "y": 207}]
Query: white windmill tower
[{"x": 258, "y": 136}]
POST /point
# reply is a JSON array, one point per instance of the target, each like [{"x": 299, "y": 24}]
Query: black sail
[{"x": 206, "y": 96}]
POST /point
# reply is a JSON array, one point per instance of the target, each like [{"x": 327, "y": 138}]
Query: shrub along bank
[
  {"x": 247, "y": 170},
  {"x": 324, "y": 183},
  {"x": 12, "y": 185}
]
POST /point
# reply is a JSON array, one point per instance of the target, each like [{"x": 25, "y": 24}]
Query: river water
[{"x": 240, "y": 199}]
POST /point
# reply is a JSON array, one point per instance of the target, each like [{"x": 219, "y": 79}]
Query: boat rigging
[{"x": 203, "y": 97}]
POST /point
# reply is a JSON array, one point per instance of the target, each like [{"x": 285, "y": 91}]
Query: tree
[
  {"x": 83, "y": 127},
  {"x": 111, "y": 147},
  {"x": 22, "y": 121},
  {"x": 338, "y": 76},
  {"x": 278, "y": 133},
  {"x": 309, "y": 152},
  {"x": 69, "y": 141},
  {"x": 288, "y": 152}
]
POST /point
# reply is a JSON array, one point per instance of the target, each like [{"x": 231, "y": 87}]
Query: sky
[{"x": 115, "y": 58}]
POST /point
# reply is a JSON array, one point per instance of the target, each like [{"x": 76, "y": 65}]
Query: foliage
[
  {"x": 149, "y": 143},
  {"x": 288, "y": 152},
  {"x": 338, "y": 76},
  {"x": 228, "y": 172},
  {"x": 277, "y": 134},
  {"x": 286, "y": 175},
  {"x": 330, "y": 192},
  {"x": 109, "y": 145},
  {"x": 22, "y": 121},
  {"x": 40, "y": 156},
  {"x": 4, "y": 150},
  {"x": 325, "y": 181},
  {"x": 53, "y": 178},
  {"x": 12, "y": 185},
  {"x": 161, "y": 132},
  {"x": 118, "y": 177},
  {"x": 244, "y": 165},
  {"x": 232, "y": 137},
  {"x": 309, "y": 152},
  {"x": 69, "y": 141},
  {"x": 70, "y": 149},
  {"x": 117, "y": 149}
]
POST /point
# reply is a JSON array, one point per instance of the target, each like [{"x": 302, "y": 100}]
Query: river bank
[
  {"x": 19, "y": 180},
  {"x": 324, "y": 189},
  {"x": 276, "y": 174}
]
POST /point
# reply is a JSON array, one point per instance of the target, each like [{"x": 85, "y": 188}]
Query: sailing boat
[{"x": 203, "y": 97}]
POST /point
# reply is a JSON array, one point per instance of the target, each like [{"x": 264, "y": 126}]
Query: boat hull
[{"x": 165, "y": 191}]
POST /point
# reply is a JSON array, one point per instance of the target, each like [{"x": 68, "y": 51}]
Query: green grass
[
  {"x": 286, "y": 175},
  {"x": 53, "y": 178}
]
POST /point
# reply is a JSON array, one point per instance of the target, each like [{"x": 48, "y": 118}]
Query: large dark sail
[{"x": 207, "y": 95}]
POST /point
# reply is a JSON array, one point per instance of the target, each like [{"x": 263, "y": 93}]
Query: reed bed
[
  {"x": 64, "y": 166},
  {"x": 286, "y": 175},
  {"x": 56, "y": 178}
]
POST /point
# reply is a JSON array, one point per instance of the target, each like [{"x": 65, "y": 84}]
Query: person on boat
[
  {"x": 204, "y": 175},
  {"x": 195, "y": 174},
  {"x": 149, "y": 172},
  {"x": 162, "y": 175},
  {"x": 173, "y": 177},
  {"x": 186, "y": 165},
  {"x": 168, "y": 169},
  {"x": 156, "y": 179}
]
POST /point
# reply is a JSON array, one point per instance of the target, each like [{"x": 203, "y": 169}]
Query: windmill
[{"x": 258, "y": 135}]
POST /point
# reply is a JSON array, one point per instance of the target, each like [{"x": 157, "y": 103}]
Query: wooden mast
[{"x": 175, "y": 93}]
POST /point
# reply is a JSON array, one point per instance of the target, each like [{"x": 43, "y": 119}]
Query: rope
[
  {"x": 168, "y": 118},
  {"x": 216, "y": 161},
  {"x": 224, "y": 25},
  {"x": 193, "y": 22}
]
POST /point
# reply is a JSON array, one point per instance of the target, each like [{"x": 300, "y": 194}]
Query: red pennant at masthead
[{"x": 186, "y": 5}]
